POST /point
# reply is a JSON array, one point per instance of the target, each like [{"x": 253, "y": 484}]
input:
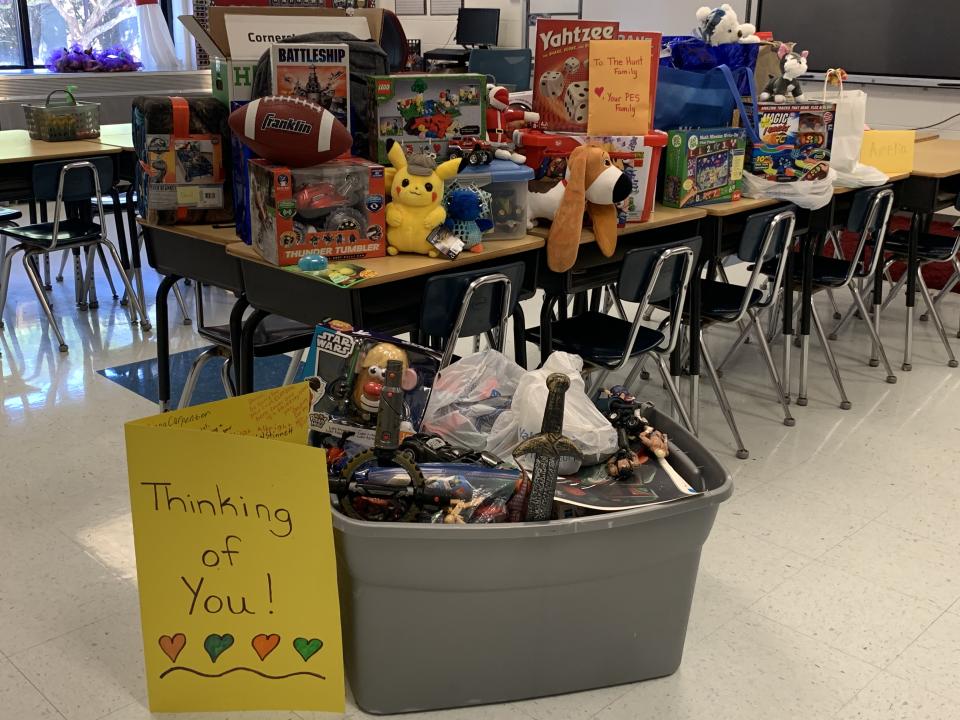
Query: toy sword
[{"x": 547, "y": 447}]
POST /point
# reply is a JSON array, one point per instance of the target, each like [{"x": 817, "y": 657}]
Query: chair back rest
[
  {"x": 508, "y": 66},
  {"x": 470, "y": 303},
  {"x": 767, "y": 237},
  {"x": 78, "y": 178},
  {"x": 659, "y": 274},
  {"x": 868, "y": 217}
]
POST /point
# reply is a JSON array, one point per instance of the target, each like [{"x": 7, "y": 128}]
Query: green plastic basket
[{"x": 63, "y": 119}]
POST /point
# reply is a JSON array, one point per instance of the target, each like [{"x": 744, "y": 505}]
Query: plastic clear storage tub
[
  {"x": 507, "y": 183},
  {"x": 438, "y": 616}
]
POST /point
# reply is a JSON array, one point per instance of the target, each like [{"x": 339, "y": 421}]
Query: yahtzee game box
[
  {"x": 423, "y": 112},
  {"x": 318, "y": 73},
  {"x": 561, "y": 70}
]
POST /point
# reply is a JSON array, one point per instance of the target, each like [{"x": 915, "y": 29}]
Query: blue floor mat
[{"x": 141, "y": 377}]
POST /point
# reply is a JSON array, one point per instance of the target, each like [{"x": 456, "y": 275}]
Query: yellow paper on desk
[
  {"x": 235, "y": 559},
  {"x": 620, "y": 98},
  {"x": 890, "y": 151}
]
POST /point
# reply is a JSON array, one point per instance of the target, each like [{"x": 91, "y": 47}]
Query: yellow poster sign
[
  {"x": 235, "y": 559},
  {"x": 622, "y": 83},
  {"x": 889, "y": 151}
]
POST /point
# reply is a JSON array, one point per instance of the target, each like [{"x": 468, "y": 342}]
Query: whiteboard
[{"x": 670, "y": 17}]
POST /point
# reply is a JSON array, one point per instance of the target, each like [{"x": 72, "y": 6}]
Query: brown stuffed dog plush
[{"x": 593, "y": 183}]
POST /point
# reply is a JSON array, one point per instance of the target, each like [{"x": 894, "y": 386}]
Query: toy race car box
[
  {"x": 334, "y": 209},
  {"x": 423, "y": 112},
  {"x": 349, "y": 368},
  {"x": 318, "y": 73},
  {"x": 561, "y": 70},
  {"x": 183, "y": 148},
  {"x": 795, "y": 141},
  {"x": 703, "y": 166}
]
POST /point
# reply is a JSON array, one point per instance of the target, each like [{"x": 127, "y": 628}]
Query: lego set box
[{"x": 334, "y": 209}]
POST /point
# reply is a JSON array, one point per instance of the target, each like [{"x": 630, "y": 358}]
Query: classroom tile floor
[{"x": 829, "y": 587}]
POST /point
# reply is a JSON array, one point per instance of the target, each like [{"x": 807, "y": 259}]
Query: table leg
[
  {"x": 695, "y": 326},
  {"x": 546, "y": 325},
  {"x": 913, "y": 268},
  {"x": 236, "y": 330},
  {"x": 787, "y": 321},
  {"x": 246, "y": 350},
  {"x": 163, "y": 342},
  {"x": 807, "y": 244},
  {"x": 877, "y": 305}
]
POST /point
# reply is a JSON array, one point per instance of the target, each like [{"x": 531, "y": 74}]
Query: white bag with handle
[{"x": 848, "y": 124}]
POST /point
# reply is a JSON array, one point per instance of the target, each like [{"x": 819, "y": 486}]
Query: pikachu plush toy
[{"x": 416, "y": 187}]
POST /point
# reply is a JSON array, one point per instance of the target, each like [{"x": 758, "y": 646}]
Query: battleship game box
[{"x": 316, "y": 72}]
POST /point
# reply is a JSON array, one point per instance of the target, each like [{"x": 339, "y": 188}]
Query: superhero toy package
[
  {"x": 423, "y": 112},
  {"x": 349, "y": 369},
  {"x": 795, "y": 141},
  {"x": 183, "y": 148},
  {"x": 703, "y": 166}
]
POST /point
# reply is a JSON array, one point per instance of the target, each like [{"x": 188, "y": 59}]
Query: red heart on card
[{"x": 598, "y": 91}]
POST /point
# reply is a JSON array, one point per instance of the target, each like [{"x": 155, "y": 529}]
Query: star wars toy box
[
  {"x": 423, "y": 112},
  {"x": 795, "y": 141},
  {"x": 637, "y": 155},
  {"x": 349, "y": 367},
  {"x": 561, "y": 70},
  {"x": 183, "y": 148},
  {"x": 703, "y": 166},
  {"x": 318, "y": 73},
  {"x": 334, "y": 209}
]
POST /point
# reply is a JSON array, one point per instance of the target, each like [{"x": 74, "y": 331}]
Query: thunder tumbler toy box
[
  {"x": 561, "y": 70},
  {"x": 795, "y": 141},
  {"x": 423, "y": 112},
  {"x": 334, "y": 209},
  {"x": 703, "y": 166}
]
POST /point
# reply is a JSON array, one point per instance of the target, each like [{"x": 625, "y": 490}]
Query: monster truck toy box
[
  {"x": 236, "y": 37},
  {"x": 423, "y": 112},
  {"x": 795, "y": 141},
  {"x": 183, "y": 153},
  {"x": 334, "y": 209},
  {"x": 703, "y": 166}
]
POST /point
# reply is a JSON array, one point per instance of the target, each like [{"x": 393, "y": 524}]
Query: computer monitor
[{"x": 478, "y": 26}]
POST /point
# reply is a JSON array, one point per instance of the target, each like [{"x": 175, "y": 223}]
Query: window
[{"x": 30, "y": 30}]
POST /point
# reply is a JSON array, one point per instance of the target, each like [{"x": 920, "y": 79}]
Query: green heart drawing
[
  {"x": 216, "y": 645},
  {"x": 307, "y": 648}
]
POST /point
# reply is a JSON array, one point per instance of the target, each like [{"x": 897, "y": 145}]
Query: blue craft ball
[{"x": 312, "y": 262}]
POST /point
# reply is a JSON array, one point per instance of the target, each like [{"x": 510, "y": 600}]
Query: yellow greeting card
[
  {"x": 890, "y": 151},
  {"x": 235, "y": 559},
  {"x": 622, "y": 85}
]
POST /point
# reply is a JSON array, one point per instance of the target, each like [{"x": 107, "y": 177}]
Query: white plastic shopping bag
[{"x": 848, "y": 124}]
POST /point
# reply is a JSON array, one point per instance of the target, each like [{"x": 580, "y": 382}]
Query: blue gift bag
[
  {"x": 693, "y": 54},
  {"x": 703, "y": 99}
]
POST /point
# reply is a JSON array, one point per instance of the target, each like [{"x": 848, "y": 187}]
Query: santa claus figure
[{"x": 501, "y": 122}]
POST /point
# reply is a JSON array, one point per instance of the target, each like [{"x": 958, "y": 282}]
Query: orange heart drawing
[
  {"x": 598, "y": 91},
  {"x": 265, "y": 644},
  {"x": 172, "y": 646}
]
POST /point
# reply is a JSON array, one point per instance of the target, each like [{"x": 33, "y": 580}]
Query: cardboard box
[
  {"x": 703, "y": 166},
  {"x": 236, "y": 37},
  {"x": 795, "y": 141},
  {"x": 422, "y": 112},
  {"x": 334, "y": 209}
]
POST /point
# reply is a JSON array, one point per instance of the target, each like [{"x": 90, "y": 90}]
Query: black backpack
[{"x": 366, "y": 58}]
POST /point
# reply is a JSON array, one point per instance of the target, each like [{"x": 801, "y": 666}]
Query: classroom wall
[{"x": 437, "y": 30}]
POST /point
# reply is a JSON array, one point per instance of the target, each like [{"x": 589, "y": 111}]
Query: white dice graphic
[
  {"x": 571, "y": 65},
  {"x": 575, "y": 101},
  {"x": 551, "y": 84}
]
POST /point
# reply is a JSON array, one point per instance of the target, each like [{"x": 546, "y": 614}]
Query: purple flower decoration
[{"x": 78, "y": 59}]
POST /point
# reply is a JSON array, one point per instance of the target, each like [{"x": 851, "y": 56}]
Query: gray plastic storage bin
[{"x": 442, "y": 616}]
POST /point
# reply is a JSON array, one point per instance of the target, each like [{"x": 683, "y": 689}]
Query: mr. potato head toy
[{"x": 372, "y": 371}]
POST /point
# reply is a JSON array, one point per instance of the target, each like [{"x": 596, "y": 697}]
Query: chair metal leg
[
  {"x": 852, "y": 310},
  {"x": 31, "y": 271},
  {"x": 788, "y": 419},
  {"x": 89, "y": 291},
  {"x": 226, "y": 377},
  {"x": 894, "y": 291},
  {"x": 183, "y": 306},
  {"x": 679, "y": 409},
  {"x": 596, "y": 384},
  {"x": 106, "y": 271},
  {"x": 786, "y": 376},
  {"x": 741, "y": 339},
  {"x": 804, "y": 368},
  {"x": 64, "y": 256},
  {"x": 191, "y": 382},
  {"x": 946, "y": 289},
  {"x": 937, "y": 322},
  {"x": 725, "y": 408},
  {"x": 833, "y": 304},
  {"x": 5, "y": 277},
  {"x": 874, "y": 334},
  {"x": 294, "y": 366},
  {"x": 137, "y": 308},
  {"x": 831, "y": 360},
  {"x": 46, "y": 272}
]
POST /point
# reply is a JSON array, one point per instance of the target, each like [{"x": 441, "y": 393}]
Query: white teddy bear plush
[{"x": 720, "y": 26}]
